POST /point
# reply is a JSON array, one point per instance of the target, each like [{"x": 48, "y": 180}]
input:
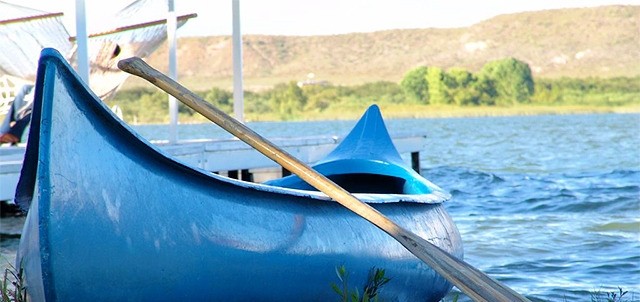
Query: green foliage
[
  {"x": 466, "y": 89},
  {"x": 618, "y": 91},
  {"x": 222, "y": 99},
  {"x": 485, "y": 91},
  {"x": 379, "y": 92},
  {"x": 505, "y": 83},
  {"x": 455, "y": 296},
  {"x": 287, "y": 100},
  {"x": 457, "y": 86},
  {"x": 256, "y": 103},
  {"x": 439, "y": 81},
  {"x": 320, "y": 98},
  {"x": 611, "y": 296},
  {"x": 460, "y": 78},
  {"x": 512, "y": 80},
  {"x": 414, "y": 85},
  {"x": 12, "y": 288},
  {"x": 154, "y": 106},
  {"x": 146, "y": 106},
  {"x": 375, "y": 281}
]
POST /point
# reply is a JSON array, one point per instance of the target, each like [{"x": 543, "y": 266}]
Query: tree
[
  {"x": 220, "y": 98},
  {"x": 152, "y": 108},
  {"x": 379, "y": 92},
  {"x": 512, "y": 80},
  {"x": 320, "y": 97},
  {"x": 287, "y": 100},
  {"x": 256, "y": 103},
  {"x": 465, "y": 88},
  {"x": 414, "y": 85},
  {"x": 438, "y": 82},
  {"x": 461, "y": 87},
  {"x": 486, "y": 90}
]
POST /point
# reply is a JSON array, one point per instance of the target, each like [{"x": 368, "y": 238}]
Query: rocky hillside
[{"x": 602, "y": 41}]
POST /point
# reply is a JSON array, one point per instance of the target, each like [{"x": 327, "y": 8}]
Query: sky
[{"x": 325, "y": 17}]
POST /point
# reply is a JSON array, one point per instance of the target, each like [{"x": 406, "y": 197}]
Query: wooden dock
[{"x": 232, "y": 157}]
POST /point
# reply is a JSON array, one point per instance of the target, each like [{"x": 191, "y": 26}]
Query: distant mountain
[{"x": 583, "y": 42}]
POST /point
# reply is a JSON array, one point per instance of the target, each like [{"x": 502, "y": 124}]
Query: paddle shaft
[{"x": 467, "y": 278}]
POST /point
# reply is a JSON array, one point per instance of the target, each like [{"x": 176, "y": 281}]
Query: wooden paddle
[{"x": 467, "y": 278}]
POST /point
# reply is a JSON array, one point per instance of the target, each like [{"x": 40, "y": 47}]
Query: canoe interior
[{"x": 369, "y": 183}]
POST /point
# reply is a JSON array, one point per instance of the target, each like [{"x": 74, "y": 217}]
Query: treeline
[
  {"x": 505, "y": 83},
  {"x": 618, "y": 91},
  {"x": 502, "y": 82}
]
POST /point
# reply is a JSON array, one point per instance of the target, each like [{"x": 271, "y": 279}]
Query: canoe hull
[
  {"x": 112, "y": 218},
  {"x": 197, "y": 254}
]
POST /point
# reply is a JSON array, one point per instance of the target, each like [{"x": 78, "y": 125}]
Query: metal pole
[
  {"x": 238, "y": 94},
  {"x": 82, "y": 52},
  {"x": 173, "y": 74}
]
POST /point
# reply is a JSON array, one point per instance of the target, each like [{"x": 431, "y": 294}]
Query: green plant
[
  {"x": 375, "y": 281},
  {"x": 611, "y": 296},
  {"x": 454, "y": 298},
  {"x": 13, "y": 289}
]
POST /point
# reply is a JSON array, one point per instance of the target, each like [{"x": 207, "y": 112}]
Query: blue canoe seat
[
  {"x": 365, "y": 176},
  {"x": 372, "y": 161}
]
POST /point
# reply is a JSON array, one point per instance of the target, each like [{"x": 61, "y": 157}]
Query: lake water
[{"x": 549, "y": 205}]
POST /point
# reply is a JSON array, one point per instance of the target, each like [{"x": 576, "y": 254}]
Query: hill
[{"x": 583, "y": 42}]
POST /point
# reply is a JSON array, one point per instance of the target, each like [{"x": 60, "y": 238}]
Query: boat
[{"x": 111, "y": 217}]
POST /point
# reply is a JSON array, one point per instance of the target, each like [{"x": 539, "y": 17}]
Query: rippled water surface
[{"x": 550, "y": 205}]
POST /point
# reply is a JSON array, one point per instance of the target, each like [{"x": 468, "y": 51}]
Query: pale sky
[{"x": 321, "y": 17}]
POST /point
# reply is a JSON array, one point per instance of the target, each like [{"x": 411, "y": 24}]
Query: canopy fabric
[
  {"x": 107, "y": 48},
  {"x": 136, "y": 30},
  {"x": 24, "y": 32}
]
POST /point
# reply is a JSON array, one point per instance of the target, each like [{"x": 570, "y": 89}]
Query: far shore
[{"x": 402, "y": 111}]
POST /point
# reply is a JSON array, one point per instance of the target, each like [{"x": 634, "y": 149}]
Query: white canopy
[{"x": 136, "y": 30}]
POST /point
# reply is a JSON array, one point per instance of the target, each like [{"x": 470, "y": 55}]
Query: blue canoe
[{"x": 113, "y": 218}]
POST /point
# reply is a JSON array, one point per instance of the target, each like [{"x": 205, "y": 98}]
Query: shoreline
[
  {"x": 520, "y": 110},
  {"x": 404, "y": 111}
]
